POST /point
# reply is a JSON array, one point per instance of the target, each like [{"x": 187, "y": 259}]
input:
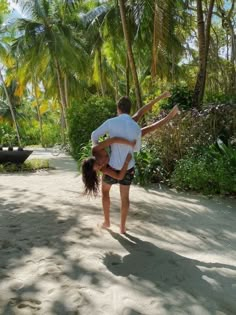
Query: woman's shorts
[{"x": 127, "y": 180}]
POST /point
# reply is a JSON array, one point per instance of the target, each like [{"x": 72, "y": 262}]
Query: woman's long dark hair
[{"x": 90, "y": 177}]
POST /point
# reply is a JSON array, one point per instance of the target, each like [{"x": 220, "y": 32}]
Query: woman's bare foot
[{"x": 122, "y": 230}]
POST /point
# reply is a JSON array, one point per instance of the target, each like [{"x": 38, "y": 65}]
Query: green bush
[
  {"x": 211, "y": 171},
  {"x": 217, "y": 98},
  {"x": 29, "y": 132},
  {"x": 181, "y": 95},
  {"x": 32, "y": 165},
  {"x": 148, "y": 168},
  {"x": 84, "y": 117},
  {"x": 191, "y": 131},
  {"x": 51, "y": 134},
  {"x": 185, "y": 135},
  {"x": 7, "y": 134},
  {"x": 85, "y": 152}
]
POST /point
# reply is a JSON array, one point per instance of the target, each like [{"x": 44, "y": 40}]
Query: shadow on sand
[{"x": 167, "y": 272}]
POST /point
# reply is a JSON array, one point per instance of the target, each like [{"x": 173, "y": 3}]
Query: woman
[
  {"x": 100, "y": 159},
  {"x": 99, "y": 162}
]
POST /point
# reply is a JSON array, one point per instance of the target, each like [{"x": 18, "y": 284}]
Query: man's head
[{"x": 124, "y": 105}]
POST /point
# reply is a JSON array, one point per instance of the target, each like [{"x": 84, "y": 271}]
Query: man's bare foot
[{"x": 105, "y": 225}]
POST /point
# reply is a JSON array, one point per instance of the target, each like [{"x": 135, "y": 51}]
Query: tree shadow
[
  {"x": 209, "y": 222},
  {"x": 28, "y": 225},
  {"x": 38, "y": 231},
  {"x": 158, "y": 271}
]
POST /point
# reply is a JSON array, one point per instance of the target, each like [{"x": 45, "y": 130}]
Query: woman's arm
[
  {"x": 106, "y": 143},
  {"x": 121, "y": 174},
  {"x": 142, "y": 111}
]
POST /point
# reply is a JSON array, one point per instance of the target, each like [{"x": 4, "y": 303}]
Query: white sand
[{"x": 179, "y": 256}]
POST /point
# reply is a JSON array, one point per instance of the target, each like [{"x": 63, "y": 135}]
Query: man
[{"x": 122, "y": 126}]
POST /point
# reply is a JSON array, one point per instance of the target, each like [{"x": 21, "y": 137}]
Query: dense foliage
[
  {"x": 32, "y": 165},
  {"x": 179, "y": 146},
  {"x": 64, "y": 64},
  {"x": 84, "y": 117},
  {"x": 211, "y": 171}
]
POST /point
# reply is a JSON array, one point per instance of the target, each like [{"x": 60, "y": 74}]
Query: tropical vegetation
[{"x": 64, "y": 64}]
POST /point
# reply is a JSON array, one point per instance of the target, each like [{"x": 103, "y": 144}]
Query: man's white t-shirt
[{"x": 122, "y": 126}]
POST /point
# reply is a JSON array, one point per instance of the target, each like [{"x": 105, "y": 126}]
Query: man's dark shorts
[{"x": 127, "y": 180}]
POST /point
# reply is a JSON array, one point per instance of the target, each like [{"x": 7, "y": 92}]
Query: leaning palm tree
[
  {"x": 48, "y": 40},
  {"x": 104, "y": 27},
  {"x": 160, "y": 32},
  {"x": 4, "y": 59}
]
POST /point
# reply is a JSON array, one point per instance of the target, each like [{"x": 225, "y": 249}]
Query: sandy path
[{"x": 179, "y": 256}]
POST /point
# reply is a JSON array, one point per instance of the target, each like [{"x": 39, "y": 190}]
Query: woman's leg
[
  {"x": 149, "y": 129},
  {"x": 106, "y": 204},
  {"x": 160, "y": 123}
]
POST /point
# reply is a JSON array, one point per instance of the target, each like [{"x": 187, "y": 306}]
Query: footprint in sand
[
  {"x": 49, "y": 270},
  {"x": 16, "y": 285},
  {"x": 30, "y": 303},
  {"x": 61, "y": 221},
  {"x": 51, "y": 291},
  {"x": 128, "y": 311}
]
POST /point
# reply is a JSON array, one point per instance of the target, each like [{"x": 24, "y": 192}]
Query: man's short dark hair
[{"x": 124, "y": 104}]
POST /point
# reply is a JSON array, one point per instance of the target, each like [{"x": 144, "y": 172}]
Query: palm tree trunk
[
  {"x": 130, "y": 54},
  {"x": 127, "y": 70},
  {"x": 66, "y": 91},
  {"x": 38, "y": 113},
  {"x": 11, "y": 109},
  {"x": 116, "y": 84},
  {"x": 227, "y": 23},
  {"x": 227, "y": 46},
  {"x": 233, "y": 58},
  {"x": 62, "y": 96},
  {"x": 154, "y": 42},
  {"x": 172, "y": 66},
  {"x": 203, "y": 43},
  {"x": 101, "y": 71}
]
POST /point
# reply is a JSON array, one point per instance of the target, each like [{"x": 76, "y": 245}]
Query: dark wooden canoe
[{"x": 15, "y": 156}]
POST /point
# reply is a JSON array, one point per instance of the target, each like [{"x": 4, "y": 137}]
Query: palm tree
[
  {"x": 159, "y": 34},
  {"x": 48, "y": 42},
  {"x": 130, "y": 53},
  {"x": 228, "y": 21},
  {"x": 203, "y": 45},
  {"x": 4, "y": 57},
  {"x": 103, "y": 29}
]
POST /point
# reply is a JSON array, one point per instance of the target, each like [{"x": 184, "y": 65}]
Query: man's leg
[
  {"x": 124, "y": 195},
  {"x": 106, "y": 204}
]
